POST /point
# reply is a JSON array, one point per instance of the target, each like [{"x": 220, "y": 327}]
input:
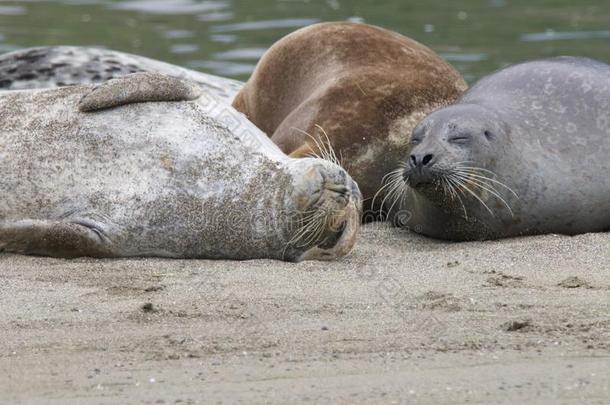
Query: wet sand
[{"x": 403, "y": 319}]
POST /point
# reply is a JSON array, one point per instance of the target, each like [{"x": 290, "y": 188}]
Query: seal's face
[
  {"x": 451, "y": 150},
  {"x": 327, "y": 211}
]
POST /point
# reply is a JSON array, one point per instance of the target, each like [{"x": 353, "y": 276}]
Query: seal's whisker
[
  {"x": 322, "y": 151},
  {"x": 467, "y": 164},
  {"x": 298, "y": 235},
  {"x": 447, "y": 190},
  {"x": 393, "y": 186},
  {"x": 306, "y": 232},
  {"x": 490, "y": 183},
  {"x": 398, "y": 194},
  {"x": 477, "y": 175},
  {"x": 312, "y": 227},
  {"x": 318, "y": 146},
  {"x": 462, "y": 186},
  {"x": 305, "y": 224},
  {"x": 323, "y": 224},
  {"x": 456, "y": 195},
  {"x": 313, "y": 233},
  {"x": 480, "y": 171},
  {"x": 379, "y": 192},
  {"x": 455, "y": 185},
  {"x": 489, "y": 189},
  {"x": 471, "y": 177},
  {"x": 307, "y": 220},
  {"x": 450, "y": 187},
  {"x": 296, "y": 239},
  {"x": 465, "y": 187},
  {"x": 397, "y": 185},
  {"x": 324, "y": 148},
  {"x": 306, "y": 214},
  {"x": 325, "y": 152},
  {"x": 331, "y": 150},
  {"x": 387, "y": 194},
  {"x": 319, "y": 230},
  {"x": 387, "y": 181}
]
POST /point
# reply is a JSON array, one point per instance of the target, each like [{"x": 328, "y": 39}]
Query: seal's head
[
  {"x": 453, "y": 149},
  {"x": 325, "y": 211}
]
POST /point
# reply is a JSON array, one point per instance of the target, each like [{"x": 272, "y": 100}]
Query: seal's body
[
  {"x": 358, "y": 87},
  {"x": 159, "y": 179},
  {"x": 58, "y": 66},
  {"x": 525, "y": 151}
]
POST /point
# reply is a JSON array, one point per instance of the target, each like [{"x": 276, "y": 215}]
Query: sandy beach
[{"x": 402, "y": 319}]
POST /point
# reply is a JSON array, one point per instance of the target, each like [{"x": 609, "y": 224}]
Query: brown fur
[{"x": 359, "y": 83}]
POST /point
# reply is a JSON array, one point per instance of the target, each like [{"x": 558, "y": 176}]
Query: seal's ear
[{"x": 138, "y": 88}]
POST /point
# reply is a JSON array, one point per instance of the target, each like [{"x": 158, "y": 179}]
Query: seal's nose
[
  {"x": 418, "y": 170},
  {"x": 419, "y": 161}
]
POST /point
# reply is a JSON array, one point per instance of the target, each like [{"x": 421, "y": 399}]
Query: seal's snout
[
  {"x": 420, "y": 169},
  {"x": 330, "y": 216},
  {"x": 341, "y": 207}
]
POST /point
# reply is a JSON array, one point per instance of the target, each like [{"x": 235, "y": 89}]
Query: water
[{"x": 227, "y": 37}]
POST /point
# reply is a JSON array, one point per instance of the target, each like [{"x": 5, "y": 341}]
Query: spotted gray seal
[
  {"x": 104, "y": 172},
  {"x": 58, "y": 66},
  {"x": 524, "y": 151}
]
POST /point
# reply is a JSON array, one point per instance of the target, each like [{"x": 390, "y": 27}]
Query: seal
[
  {"x": 58, "y": 66},
  {"x": 106, "y": 172},
  {"x": 523, "y": 152},
  {"x": 355, "y": 89}
]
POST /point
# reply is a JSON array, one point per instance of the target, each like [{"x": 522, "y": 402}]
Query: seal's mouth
[{"x": 422, "y": 179}]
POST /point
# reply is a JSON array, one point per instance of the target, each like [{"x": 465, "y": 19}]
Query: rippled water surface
[{"x": 226, "y": 37}]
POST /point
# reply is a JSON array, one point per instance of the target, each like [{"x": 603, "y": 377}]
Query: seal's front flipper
[
  {"x": 138, "y": 88},
  {"x": 55, "y": 238}
]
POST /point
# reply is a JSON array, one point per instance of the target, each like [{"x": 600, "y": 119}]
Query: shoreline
[{"x": 402, "y": 318}]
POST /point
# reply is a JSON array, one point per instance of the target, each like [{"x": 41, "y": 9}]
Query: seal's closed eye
[{"x": 138, "y": 88}]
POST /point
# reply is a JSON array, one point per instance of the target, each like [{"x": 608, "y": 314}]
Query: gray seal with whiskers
[
  {"x": 139, "y": 166},
  {"x": 524, "y": 151}
]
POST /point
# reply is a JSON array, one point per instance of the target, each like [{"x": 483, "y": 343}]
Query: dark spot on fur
[
  {"x": 27, "y": 76},
  {"x": 31, "y": 56},
  {"x": 96, "y": 78},
  {"x": 11, "y": 70},
  {"x": 5, "y": 84},
  {"x": 59, "y": 65},
  {"x": 149, "y": 307}
]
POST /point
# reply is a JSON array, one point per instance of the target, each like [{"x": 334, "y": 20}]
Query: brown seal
[{"x": 358, "y": 87}]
